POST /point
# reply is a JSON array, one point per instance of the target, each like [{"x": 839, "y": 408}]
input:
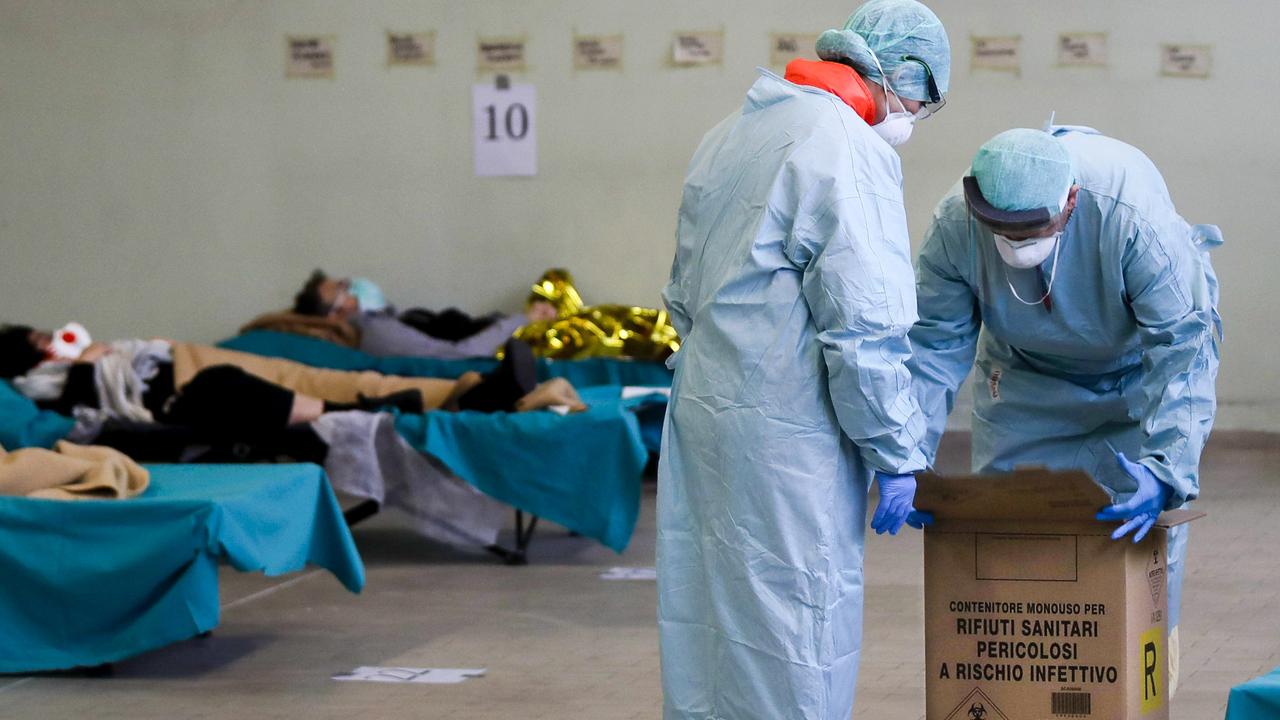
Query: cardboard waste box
[{"x": 1032, "y": 611}]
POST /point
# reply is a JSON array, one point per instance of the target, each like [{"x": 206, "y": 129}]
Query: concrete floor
[{"x": 560, "y": 643}]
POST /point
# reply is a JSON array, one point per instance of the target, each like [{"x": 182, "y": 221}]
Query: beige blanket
[
  {"x": 334, "y": 385},
  {"x": 71, "y": 472}
]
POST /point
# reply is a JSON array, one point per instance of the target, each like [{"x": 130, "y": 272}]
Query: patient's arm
[
  {"x": 556, "y": 391},
  {"x": 92, "y": 354}
]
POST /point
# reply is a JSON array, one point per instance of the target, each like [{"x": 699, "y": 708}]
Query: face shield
[{"x": 1038, "y": 222}]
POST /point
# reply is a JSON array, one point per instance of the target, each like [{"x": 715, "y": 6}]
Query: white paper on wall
[
  {"x": 501, "y": 54},
  {"x": 411, "y": 48},
  {"x": 309, "y": 56},
  {"x": 597, "y": 52},
  {"x": 1190, "y": 61},
  {"x": 1082, "y": 49},
  {"x": 698, "y": 48},
  {"x": 996, "y": 53},
  {"x": 505, "y": 130}
]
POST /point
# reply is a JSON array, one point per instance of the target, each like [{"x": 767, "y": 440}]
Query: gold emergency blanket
[{"x": 582, "y": 331}]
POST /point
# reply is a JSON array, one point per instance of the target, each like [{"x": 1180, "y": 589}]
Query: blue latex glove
[
  {"x": 1141, "y": 510},
  {"x": 918, "y": 519},
  {"x": 896, "y": 495}
]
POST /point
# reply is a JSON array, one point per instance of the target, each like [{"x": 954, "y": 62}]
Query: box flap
[
  {"x": 1030, "y": 493},
  {"x": 1170, "y": 518}
]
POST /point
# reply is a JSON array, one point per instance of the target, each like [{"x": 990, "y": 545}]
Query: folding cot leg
[
  {"x": 363, "y": 511},
  {"x": 523, "y": 539},
  {"x": 524, "y": 535}
]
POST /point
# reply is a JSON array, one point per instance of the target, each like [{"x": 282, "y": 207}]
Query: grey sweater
[{"x": 383, "y": 334}]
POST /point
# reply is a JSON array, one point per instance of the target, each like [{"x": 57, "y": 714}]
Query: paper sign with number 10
[{"x": 505, "y": 130}]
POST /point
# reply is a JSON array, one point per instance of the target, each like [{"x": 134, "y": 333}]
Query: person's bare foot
[
  {"x": 465, "y": 382},
  {"x": 556, "y": 391}
]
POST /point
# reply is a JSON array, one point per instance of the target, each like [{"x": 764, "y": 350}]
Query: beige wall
[{"x": 158, "y": 175}]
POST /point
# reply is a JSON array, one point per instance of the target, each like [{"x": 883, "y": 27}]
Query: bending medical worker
[
  {"x": 1091, "y": 307},
  {"x": 793, "y": 292}
]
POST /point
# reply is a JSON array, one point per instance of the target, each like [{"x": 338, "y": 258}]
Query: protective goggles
[{"x": 936, "y": 101}]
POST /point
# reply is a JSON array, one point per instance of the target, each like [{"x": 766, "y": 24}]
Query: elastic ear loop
[{"x": 888, "y": 87}]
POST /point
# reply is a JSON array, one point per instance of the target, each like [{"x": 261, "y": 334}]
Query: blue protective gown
[
  {"x": 1126, "y": 357},
  {"x": 793, "y": 292}
]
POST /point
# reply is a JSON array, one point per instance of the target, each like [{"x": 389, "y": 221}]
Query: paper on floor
[
  {"x": 635, "y": 391},
  {"x": 630, "y": 573},
  {"x": 432, "y": 676}
]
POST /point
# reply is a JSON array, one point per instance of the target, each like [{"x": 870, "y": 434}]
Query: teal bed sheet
[
  {"x": 581, "y": 471},
  {"x": 95, "y": 581},
  {"x": 22, "y": 424},
  {"x": 319, "y": 353},
  {"x": 1258, "y": 699},
  {"x": 598, "y": 448}
]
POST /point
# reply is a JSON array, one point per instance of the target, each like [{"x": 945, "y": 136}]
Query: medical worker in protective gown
[
  {"x": 793, "y": 292},
  {"x": 1091, "y": 307}
]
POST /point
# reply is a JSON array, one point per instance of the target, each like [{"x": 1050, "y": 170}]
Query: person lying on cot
[
  {"x": 213, "y": 389},
  {"x": 354, "y": 312}
]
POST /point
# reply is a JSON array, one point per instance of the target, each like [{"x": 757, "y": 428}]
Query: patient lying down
[{"x": 231, "y": 393}]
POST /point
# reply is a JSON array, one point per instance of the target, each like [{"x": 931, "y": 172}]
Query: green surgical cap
[
  {"x": 1023, "y": 169},
  {"x": 891, "y": 30}
]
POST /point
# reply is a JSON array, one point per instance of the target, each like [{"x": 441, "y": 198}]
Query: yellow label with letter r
[{"x": 1153, "y": 665}]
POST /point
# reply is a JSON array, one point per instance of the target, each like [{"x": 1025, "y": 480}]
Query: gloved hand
[
  {"x": 918, "y": 519},
  {"x": 896, "y": 495},
  {"x": 1141, "y": 510}
]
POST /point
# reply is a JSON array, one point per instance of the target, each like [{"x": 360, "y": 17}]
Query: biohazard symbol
[
  {"x": 976, "y": 706},
  {"x": 1156, "y": 575}
]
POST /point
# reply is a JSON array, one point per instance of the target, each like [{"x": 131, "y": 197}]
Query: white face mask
[
  {"x": 896, "y": 127},
  {"x": 1023, "y": 254},
  {"x": 368, "y": 295},
  {"x": 69, "y": 341},
  {"x": 1028, "y": 254}
]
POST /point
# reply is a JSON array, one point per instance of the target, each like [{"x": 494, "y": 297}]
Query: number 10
[{"x": 516, "y": 121}]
